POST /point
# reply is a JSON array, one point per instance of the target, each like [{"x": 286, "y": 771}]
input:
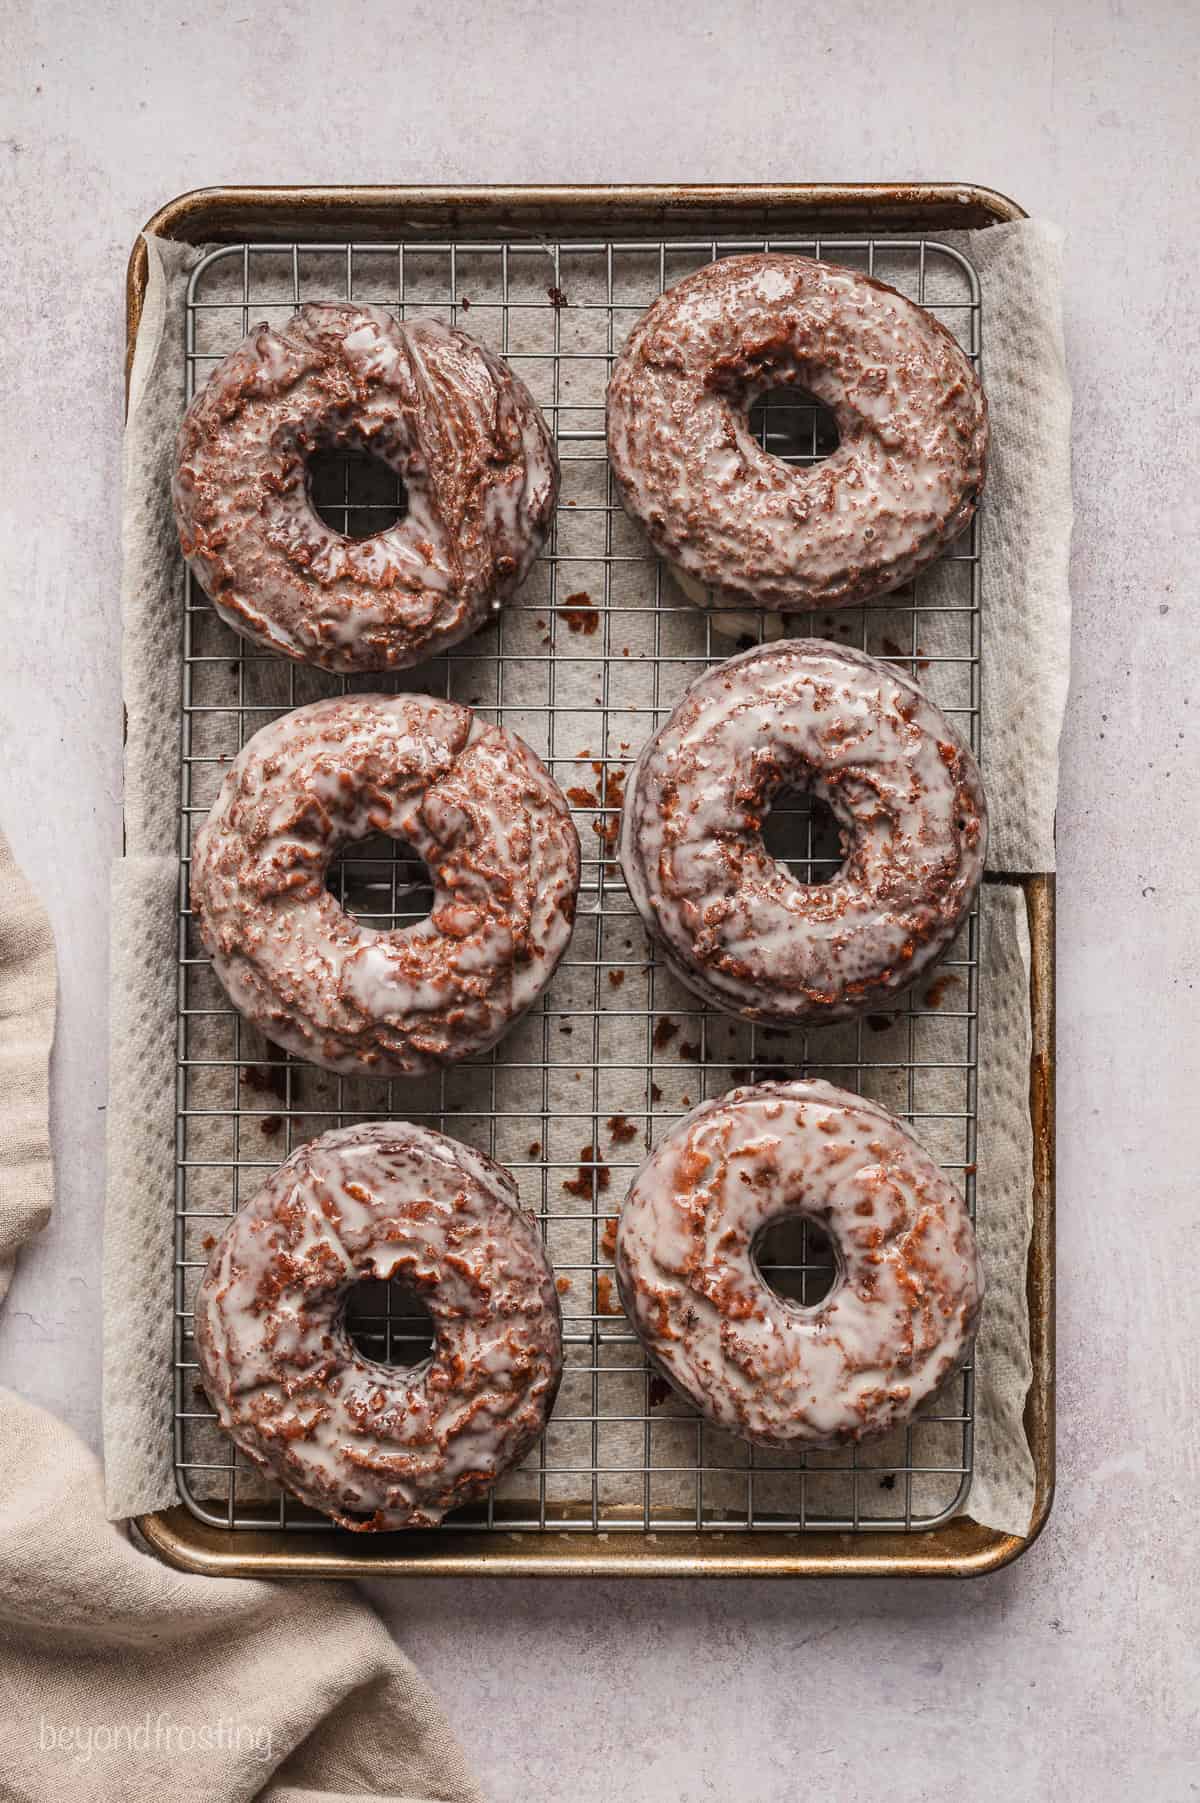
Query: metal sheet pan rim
[{"x": 961, "y": 1548}]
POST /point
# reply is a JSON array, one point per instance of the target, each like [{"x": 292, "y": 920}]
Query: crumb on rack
[
  {"x": 580, "y": 613},
  {"x": 664, "y": 1032},
  {"x": 616, "y": 978},
  {"x": 622, "y": 1129},
  {"x": 267, "y": 1079},
  {"x": 605, "y": 1303},
  {"x": 935, "y": 995},
  {"x": 592, "y": 1178}
]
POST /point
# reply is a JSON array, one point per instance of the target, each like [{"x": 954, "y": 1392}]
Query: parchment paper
[{"x": 592, "y": 1067}]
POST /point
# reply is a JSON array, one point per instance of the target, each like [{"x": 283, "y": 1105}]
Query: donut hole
[
  {"x": 791, "y": 424},
  {"x": 802, "y": 832},
  {"x": 795, "y": 1257},
  {"x": 388, "y": 1322},
  {"x": 357, "y": 495},
  {"x": 381, "y": 883}
]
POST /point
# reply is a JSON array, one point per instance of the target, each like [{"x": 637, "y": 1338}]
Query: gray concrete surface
[{"x": 1075, "y": 1671}]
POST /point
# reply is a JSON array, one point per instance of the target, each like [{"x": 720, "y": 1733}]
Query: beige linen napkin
[
  {"x": 119, "y": 1678},
  {"x": 26, "y": 1032}
]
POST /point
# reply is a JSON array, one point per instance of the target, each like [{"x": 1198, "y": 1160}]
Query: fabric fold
[{"x": 123, "y": 1679}]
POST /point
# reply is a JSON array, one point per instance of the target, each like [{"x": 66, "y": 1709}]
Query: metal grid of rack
[{"x": 588, "y": 660}]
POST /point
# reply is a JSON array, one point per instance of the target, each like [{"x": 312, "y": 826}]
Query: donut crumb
[
  {"x": 616, "y": 978},
  {"x": 935, "y": 995},
  {"x": 267, "y": 1079},
  {"x": 592, "y": 1177},
  {"x": 534, "y": 1149},
  {"x": 664, "y": 1032},
  {"x": 605, "y": 1305},
  {"x": 562, "y": 1285},
  {"x": 581, "y": 614},
  {"x": 622, "y": 1129}
]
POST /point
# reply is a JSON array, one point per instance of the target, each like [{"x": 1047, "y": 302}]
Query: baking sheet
[{"x": 614, "y": 1452}]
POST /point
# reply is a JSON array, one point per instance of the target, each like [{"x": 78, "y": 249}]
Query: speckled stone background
[{"x": 1076, "y": 1670}]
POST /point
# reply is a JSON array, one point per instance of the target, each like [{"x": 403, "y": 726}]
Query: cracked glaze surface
[
  {"x": 449, "y": 418},
  {"x": 381, "y": 1446},
  {"x": 905, "y": 790},
  {"x": 741, "y": 526},
  {"x": 901, "y": 1314},
  {"x": 472, "y": 800}
]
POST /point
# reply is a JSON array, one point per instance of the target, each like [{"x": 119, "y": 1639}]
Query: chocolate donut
[
  {"x": 903, "y": 787},
  {"x": 472, "y": 800},
  {"x": 901, "y": 1314},
  {"x": 743, "y": 528},
  {"x": 451, "y": 420},
  {"x": 381, "y": 1446}
]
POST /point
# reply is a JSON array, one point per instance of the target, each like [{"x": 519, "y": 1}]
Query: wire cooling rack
[{"x": 584, "y": 665}]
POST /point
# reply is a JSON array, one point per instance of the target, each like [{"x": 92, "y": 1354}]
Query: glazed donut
[
  {"x": 903, "y": 787},
  {"x": 743, "y": 528},
  {"x": 453, "y": 422},
  {"x": 472, "y": 800},
  {"x": 378, "y": 1446},
  {"x": 901, "y": 1314}
]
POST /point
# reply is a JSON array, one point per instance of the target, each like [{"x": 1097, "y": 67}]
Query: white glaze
[
  {"x": 460, "y": 429},
  {"x": 472, "y": 800},
  {"x": 862, "y": 737},
  {"x": 350, "y": 1436},
  {"x": 748, "y": 529},
  {"x": 904, "y": 1304}
]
